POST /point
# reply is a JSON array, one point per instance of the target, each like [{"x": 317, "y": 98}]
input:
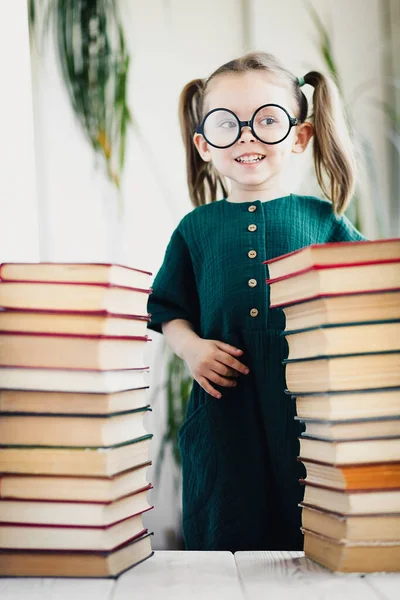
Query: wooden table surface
[{"x": 213, "y": 576}]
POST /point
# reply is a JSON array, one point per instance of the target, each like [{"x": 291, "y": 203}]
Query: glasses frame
[{"x": 293, "y": 121}]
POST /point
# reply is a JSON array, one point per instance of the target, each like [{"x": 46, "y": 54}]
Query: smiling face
[{"x": 251, "y": 165}]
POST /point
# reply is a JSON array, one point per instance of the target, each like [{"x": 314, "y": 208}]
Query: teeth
[{"x": 250, "y": 158}]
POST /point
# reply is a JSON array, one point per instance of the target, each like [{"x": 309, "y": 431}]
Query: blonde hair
[{"x": 334, "y": 159}]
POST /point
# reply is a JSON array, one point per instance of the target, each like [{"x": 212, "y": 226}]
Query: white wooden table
[{"x": 213, "y": 576}]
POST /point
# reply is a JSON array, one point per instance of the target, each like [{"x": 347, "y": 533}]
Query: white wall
[
  {"x": 171, "y": 42},
  {"x": 19, "y": 238}
]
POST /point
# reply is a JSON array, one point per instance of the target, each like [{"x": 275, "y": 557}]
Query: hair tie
[{"x": 301, "y": 81}]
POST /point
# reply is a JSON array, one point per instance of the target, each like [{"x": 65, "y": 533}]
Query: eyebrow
[{"x": 251, "y": 112}]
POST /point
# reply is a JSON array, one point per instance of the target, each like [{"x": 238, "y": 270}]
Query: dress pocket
[{"x": 199, "y": 461}]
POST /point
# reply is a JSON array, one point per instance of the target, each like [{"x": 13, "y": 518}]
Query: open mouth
[{"x": 250, "y": 158}]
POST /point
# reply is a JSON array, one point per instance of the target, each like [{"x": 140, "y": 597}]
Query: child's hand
[{"x": 211, "y": 360}]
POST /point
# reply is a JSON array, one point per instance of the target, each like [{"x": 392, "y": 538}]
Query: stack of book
[
  {"x": 341, "y": 302},
  {"x": 74, "y": 449}
]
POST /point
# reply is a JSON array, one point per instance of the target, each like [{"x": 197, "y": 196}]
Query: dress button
[
  {"x": 252, "y": 282},
  {"x": 252, "y": 208},
  {"x": 252, "y": 254},
  {"x": 252, "y": 227},
  {"x": 253, "y": 312}
]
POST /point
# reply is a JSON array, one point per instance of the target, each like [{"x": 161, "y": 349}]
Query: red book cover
[
  {"x": 74, "y": 335},
  {"x": 46, "y": 526},
  {"x": 142, "y": 534},
  {"x": 98, "y": 313},
  {"x": 335, "y": 294},
  {"x": 328, "y": 245},
  {"x": 2, "y": 265},
  {"x": 332, "y": 266},
  {"x": 68, "y": 284},
  {"x": 61, "y": 502}
]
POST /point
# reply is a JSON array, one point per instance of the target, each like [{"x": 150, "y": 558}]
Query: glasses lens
[
  {"x": 221, "y": 128},
  {"x": 271, "y": 124}
]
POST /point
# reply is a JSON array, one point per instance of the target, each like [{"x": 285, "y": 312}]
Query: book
[
  {"x": 350, "y": 452},
  {"x": 83, "y": 489},
  {"x": 72, "y": 403},
  {"x": 352, "y": 502},
  {"x": 103, "y": 324},
  {"x": 343, "y": 308},
  {"x": 70, "y": 380},
  {"x": 62, "y": 351},
  {"x": 75, "y": 297},
  {"x": 71, "y": 430},
  {"x": 331, "y": 279},
  {"x": 383, "y": 527},
  {"x": 352, "y": 477},
  {"x": 329, "y": 373},
  {"x": 73, "y": 513},
  {"x": 334, "y": 252},
  {"x": 349, "y": 429},
  {"x": 76, "y": 273},
  {"x": 352, "y": 557},
  {"x": 92, "y": 462},
  {"x": 348, "y": 404},
  {"x": 59, "y": 563},
  {"x": 57, "y": 537},
  {"x": 342, "y": 339}
]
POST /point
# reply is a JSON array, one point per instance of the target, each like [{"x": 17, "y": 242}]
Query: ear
[
  {"x": 304, "y": 133},
  {"x": 202, "y": 147}
]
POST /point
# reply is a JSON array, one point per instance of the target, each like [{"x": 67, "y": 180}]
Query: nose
[{"x": 246, "y": 135}]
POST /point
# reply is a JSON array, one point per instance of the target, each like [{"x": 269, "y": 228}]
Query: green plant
[{"x": 94, "y": 61}]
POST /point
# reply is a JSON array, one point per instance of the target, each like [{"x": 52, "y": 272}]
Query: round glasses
[{"x": 270, "y": 124}]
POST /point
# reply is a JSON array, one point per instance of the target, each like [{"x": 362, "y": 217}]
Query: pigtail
[
  {"x": 202, "y": 179},
  {"x": 334, "y": 158}
]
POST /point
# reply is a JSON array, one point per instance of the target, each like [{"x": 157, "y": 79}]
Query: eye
[
  {"x": 228, "y": 124},
  {"x": 268, "y": 121}
]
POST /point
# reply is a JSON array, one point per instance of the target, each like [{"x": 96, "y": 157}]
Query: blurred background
[{"x": 92, "y": 167}]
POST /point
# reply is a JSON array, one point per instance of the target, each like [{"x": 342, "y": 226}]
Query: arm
[
  {"x": 207, "y": 360},
  {"x": 174, "y": 291},
  {"x": 178, "y": 334},
  {"x": 175, "y": 311}
]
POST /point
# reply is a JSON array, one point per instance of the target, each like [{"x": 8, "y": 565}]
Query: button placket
[{"x": 252, "y": 282}]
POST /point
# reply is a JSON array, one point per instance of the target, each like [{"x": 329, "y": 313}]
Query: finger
[
  {"x": 223, "y": 370},
  {"x": 228, "y": 348},
  {"x": 208, "y": 387},
  {"x": 215, "y": 378},
  {"x": 231, "y": 362}
]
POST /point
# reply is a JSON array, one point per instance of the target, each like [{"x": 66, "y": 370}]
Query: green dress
[{"x": 239, "y": 468}]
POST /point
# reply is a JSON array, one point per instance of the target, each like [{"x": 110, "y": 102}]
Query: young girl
[{"x": 210, "y": 300}]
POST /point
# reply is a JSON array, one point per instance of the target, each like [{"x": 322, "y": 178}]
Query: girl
[{"x": 210, "y": 300}]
